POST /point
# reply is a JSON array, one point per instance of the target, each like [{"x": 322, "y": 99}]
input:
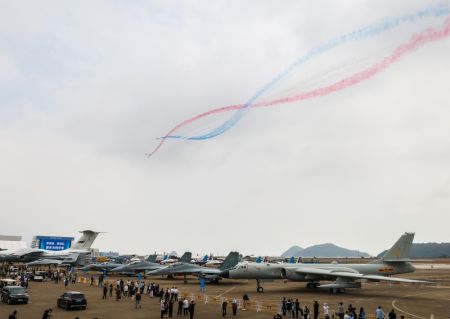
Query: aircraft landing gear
[
  {"x": 337, "y": 291},
  {"x": 258, "y": 287},
  {"x": 185, "y": 279},
  {"x": 312, "y": 285}
]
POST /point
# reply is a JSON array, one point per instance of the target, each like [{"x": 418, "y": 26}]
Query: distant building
[
  {"x": 109, "y": 254},
  {"x": 12, "y": 243},
  {"x": 95, "y": 252}
]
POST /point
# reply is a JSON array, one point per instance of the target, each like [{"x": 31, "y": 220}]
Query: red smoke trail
[{"x": 416, "y": 41}]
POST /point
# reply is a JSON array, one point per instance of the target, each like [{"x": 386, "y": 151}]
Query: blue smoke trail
[{"x": 371, "y": 30}]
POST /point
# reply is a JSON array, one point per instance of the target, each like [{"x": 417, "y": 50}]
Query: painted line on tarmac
[
  {"x": 225, "y": 292},
  {"x": 403, "y": 311}
]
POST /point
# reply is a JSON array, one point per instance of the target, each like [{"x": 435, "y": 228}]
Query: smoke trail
[
  {"x": 416, "y": 41},
  {"x": 242, "y": 109},
  {"x": 372, "y": 30}
]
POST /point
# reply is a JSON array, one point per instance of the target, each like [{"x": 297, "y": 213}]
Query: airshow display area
[
  {"x": 233, "y": 126},
  {"x": 159, "y": 281}
]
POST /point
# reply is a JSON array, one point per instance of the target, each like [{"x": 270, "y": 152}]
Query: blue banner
[{"x": 54, "y": 244}]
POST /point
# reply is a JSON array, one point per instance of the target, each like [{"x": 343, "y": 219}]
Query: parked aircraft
[
  {"x": 200, "y": 261},
  {"x": 82, "y": 246},
  {"x": 76, "y": 259},
  {"x": 395, "y": 261},
  {"x": 106, "y": 266},
  {"x": 183, "y": 268},
  {"x": 148, "y": 265}
]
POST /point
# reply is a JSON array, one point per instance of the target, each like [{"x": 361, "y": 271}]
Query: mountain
[
  {"x": 427, "y": 250},
  {"x": 293, "y": 251},
  {"x": 323, "y": 250}
]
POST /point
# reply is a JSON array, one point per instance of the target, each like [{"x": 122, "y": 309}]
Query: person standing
[
  {"x": 289, "y": 308},
  {"x": 362, "y": 313},
  {"x": 185, "y": 307},
  {"x": 326, "y": 310},
  {"x": 392, "y": 314},
  {"x": 118, "y": 293},
  {"x": 13, "y": 315},
  {"x": 297, "y": 307},
  {"x": 46, "y": 315},
  {"x": 245, "y": 300},
  {"x": 224, "y": 307},
  {"x": 306, "y": 312},
  {"x": 316, "y": 309},
  {"x": 110, "y": 290},
  {"x": 234, "y": 306},
  {"x": 379, "y": 313},
  {"x": 283, "y": 306},
  {"x": 105, "y": 291},
  {"x": 191, "y": 309},
  {"x": 341, "y": 311},
  {"x": 170, "y": 308},
  {"x": 180, "y": 307},
  {"x": 163, "y": 308},
  {"x": 137, "y": 300}
]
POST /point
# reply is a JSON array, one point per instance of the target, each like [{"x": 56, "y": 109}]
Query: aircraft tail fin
[
  {"x": 292, "y": 260},
  {"x": 205, "y": 258},
  {"x": 231, "y": 261},
  {"x": 187, "y": 257},
  {"x": 401, "y": 249},
  {"x": 152, "y": 258},
  {"x": 258, "y": 260},
  {"x": 86, "y": 240}
]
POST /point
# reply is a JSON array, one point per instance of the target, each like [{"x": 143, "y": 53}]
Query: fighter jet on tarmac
[
  {"x": 106, "y": 266},
  {"x": 395, "y": 261},
  {"x": 183, "y": 268},
  {"x": 149, "y": 264}
]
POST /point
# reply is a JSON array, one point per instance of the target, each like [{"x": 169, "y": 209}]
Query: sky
[{"x": 87, "y": 87}]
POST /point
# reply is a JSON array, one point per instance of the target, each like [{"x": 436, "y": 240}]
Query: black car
[
  {"x": 14, "y": 294},
  {"x": 72, "y": 299}
]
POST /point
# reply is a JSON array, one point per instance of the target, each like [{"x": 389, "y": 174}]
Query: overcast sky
[{"x": 88, "y": 86}]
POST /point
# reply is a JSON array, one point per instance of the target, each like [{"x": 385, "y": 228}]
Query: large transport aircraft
[
  {"x": 184, "y": 268},
  {"x": 82, "y": 246},
  {"x": 395, "y": 261}
]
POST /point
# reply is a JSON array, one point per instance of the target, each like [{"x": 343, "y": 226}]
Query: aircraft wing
[
  {"x": 44, "y": 262},
  {"x": 204, "y": 270},
  {"x": 28, "y": 251},
  {"x": 352, "y": 274}
]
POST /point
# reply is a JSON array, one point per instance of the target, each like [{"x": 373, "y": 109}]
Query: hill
[
  {"x": 323, "y": 250},
  {"x": 293, "y": 251},
  {"x": 427, "y": 250}
]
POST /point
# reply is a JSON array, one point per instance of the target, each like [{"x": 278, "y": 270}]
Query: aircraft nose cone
[{"x": 225, "y": 274}]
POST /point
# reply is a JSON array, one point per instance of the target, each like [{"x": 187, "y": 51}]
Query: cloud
[{"x": 88, "y": 87}]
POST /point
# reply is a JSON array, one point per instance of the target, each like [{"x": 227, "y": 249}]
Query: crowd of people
[{"x": 291, "y": 308}]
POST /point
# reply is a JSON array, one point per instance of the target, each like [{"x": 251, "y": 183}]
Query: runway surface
[{"x": 413, "y": 301}]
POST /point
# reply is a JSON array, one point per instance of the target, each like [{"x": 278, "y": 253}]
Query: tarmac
[{"x": 413, "y": 301}]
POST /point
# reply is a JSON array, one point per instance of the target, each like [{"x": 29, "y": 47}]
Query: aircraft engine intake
[{"x": 291, "y": 274}]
